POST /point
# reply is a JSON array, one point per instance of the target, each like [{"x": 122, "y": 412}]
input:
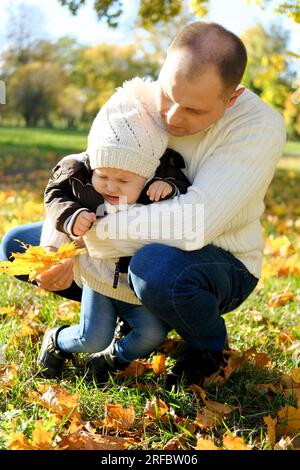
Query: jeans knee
[
  {"x": 7, "y": 245},
  {"x": 150, "y": 270},
  {"x": 93, "y": 345}
]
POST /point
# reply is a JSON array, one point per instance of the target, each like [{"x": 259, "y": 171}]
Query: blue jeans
[
  {"x": 97, "y": 324},
  {"x": 188, "y": 290}
]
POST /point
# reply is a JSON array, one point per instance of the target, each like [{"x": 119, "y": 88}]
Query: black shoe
[
  {"x": 99, "y": 365},
  {"x": 194, "y": 366},
  {"x": 50, "y": 358}
]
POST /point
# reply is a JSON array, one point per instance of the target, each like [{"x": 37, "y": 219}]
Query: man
[{"x": 231, "y": 142}]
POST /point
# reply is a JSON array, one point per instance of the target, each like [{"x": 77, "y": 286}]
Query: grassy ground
[{"x": 268, "y": 321}]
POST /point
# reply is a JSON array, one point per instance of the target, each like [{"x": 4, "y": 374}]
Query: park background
[{"x": 58, "y": 68}]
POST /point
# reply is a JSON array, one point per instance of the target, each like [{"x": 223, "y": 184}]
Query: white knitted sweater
[{"x": 230, "y": 166}]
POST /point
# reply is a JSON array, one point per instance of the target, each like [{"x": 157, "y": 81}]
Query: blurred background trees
[{"x": 64, "y": 83}]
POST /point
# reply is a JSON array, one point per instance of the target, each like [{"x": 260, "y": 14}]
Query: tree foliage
[
  {"x": 269, "y": 72},
  {"x": 150, "y": 12},
  {"x": 34, "y": 89}
]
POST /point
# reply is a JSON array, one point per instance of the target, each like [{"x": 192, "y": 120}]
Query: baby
[{"x": 126, "y": 162}]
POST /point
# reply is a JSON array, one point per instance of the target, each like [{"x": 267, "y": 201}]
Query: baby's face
[{"x": 113, "y": 183}]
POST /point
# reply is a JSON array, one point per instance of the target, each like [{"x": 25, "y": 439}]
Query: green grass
[
  {"x": 26, "y": 148},
  {"x": 292, "y": 148},
  {"x": 22, "y": 149}
]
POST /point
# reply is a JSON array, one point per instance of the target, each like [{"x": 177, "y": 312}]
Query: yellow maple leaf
[
  {"x": 41, "y": 438},
  {"x": 118, "y": 418},
  {"x": 155, "y": 408},
  {"x": 158, "y": 364},
  {"x": 295, "y": 373},
  {"x": 57, "y": 400},
  {"x": 35, "y": 260},
  {"x": 206, "y": 444},
  {"x": 235, "y": 443},
  {"x": 8, "y": 311},
  {"x": 271, "y": 429},
  {"x": 82, "y": 440},
  {"x": 281, "y": 299},
  {"x": 18, "y": 441},
  {"x": 288, "y": 421}
]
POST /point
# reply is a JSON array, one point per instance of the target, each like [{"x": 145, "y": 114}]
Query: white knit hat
[{"x": 128, "y": 132}]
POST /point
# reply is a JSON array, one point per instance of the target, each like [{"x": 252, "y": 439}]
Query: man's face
[
  {"x": 114, "y": 184},
  {"x": 189, "y": 106}
]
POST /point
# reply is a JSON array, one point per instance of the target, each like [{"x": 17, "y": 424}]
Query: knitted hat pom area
[{"x": 128, "y": 132}]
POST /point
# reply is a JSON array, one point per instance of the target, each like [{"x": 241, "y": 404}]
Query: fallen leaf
[
  {"x": 281, "y": 299},
  {"x": 9, "y": 375},
  {"x": 198, "y": 390},
  {"x": 285, "y": 339},
  {"x": 118, "y": 418},
  {"x": 207, "y": 419},
  {"x": 221, "y": 408},
  {"x": 27, "y": 330},
  {"x": 271, "y": 429},
  {"x": 41, "y": 438},
  {"x": 135, "y": 368},
  {"x": 261, "y": 359},
  {"x": 57, "y": 400},
  {"x": 206, "y": 444},
  {"x": 169, "y": 345},
  {"x": 82, "y": 440},
  {"x": 184, "y": 423},
  {"x": 68, "y": 311},
  {"x": 234, "y": 443},
  {"x": 158, "y": 364},
  {"x": 155, "y": 408},
  {"x": 295, "y": 373},
  {"x": 176, "y": 443},
  {"x": 288, "y": 421},
  {"x": 8, "y": 311},
  {"x": 264, "y": 389},
  {"x": 17, "y": 441}
]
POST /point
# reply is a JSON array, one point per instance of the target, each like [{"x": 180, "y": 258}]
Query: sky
[{"x": 57, "y": 21}]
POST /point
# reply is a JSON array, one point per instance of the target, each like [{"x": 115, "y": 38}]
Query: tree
[
  {"x": 269, "y": 71},
  {"x": 104, "y": 67},
  {"x": 35, "y": 89},
  {"x": 150, "y": 12},
  {"x": 23, "y": 31},
  {"x": 71, "y": 105}
]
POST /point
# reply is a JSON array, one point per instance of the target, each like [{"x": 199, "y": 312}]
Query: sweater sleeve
[
  {"x": 240, "y": 167},
  {"x": 59, "y": 200},
  {"x": 52, "y": 237}
]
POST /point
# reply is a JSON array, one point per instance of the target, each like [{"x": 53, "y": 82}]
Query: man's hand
[
  {"x": 83, "y": 223},
  {"x": 57, "y": 277},
  {"x": 159, "y": 190}
]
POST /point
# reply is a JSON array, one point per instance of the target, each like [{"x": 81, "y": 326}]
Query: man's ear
[{"x": 235, "y": 96}]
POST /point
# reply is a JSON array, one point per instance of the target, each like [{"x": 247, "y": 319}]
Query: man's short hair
[{"x": 212, "y": 44}]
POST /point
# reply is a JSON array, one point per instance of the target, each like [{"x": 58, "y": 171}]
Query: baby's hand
[
  {"x": 159, "y": 190},
  {"x": 83, "y": 223}
]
